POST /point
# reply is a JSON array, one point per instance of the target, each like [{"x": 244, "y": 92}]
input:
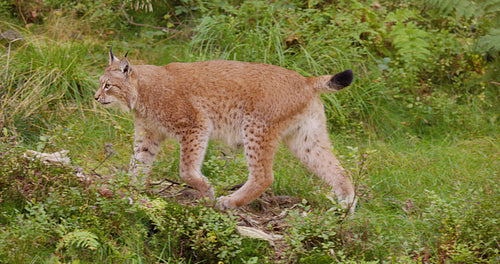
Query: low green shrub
[
  {"x": 463, "y": 228},
  {"x": 197, "y": 233}
]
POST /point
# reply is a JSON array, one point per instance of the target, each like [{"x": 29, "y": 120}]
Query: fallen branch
[
  {"x": 56, "y": 158},
  {"x": 258, "y": 234}
]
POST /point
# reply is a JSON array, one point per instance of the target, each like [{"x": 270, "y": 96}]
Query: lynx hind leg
[
  {"x": 259, "y": 149},
  {"x": 193, "y": 146},
  {"x": 310, "y": 143}
]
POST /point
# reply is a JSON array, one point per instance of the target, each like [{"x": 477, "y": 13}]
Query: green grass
[{"x": 412, "y": 196}]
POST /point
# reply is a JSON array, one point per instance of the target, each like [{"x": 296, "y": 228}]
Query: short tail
[{"x": 329, "y": 83}]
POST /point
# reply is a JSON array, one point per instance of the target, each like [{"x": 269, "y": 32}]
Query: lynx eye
[{"x": 106, "y": 87}]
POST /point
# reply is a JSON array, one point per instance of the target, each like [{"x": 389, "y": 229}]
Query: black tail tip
[{"x": 342, "y": 79}]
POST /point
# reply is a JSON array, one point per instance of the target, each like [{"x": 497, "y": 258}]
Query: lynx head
[{"x": 115, "y": 85}]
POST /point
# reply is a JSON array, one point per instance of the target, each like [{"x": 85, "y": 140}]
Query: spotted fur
[{"x": 249, "y": 104}]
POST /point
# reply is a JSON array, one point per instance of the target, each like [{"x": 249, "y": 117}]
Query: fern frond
[
  {"x": 445, "y": 6},
  {"x": 491, "y": 41},
  {"x": 79, "y": 239},
  {"x": 466, "y": 8},
  {"x": 411, "y": 43}
]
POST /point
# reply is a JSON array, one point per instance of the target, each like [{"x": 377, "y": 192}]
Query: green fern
[
  {"x": 491, "y": 41},
  {"x": 486, "y": 10},
  {"x": 463, "y": 8},
  {"x": 79, "y": 239},
  {"x": 410, "y": 41},
  {"x": 467, "y": 8}
]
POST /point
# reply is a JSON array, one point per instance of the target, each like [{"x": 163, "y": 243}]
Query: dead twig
[
  {"x": 234, "y": 187},
  {"x": 279, "y": 217},
  {"x": 158, "y": 183},
  {"x": 166, "y": 188},
  {"x": 172, "y": 183},
  {"x": 108, "y": 148},
  {"x": 166, "y": 180}
]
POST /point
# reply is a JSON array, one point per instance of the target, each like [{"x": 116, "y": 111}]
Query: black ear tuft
[
  {"x": 112, "y": 57},
  {"x": 342, "y": 79}
]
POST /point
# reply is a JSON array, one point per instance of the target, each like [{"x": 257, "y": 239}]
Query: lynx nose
[{"x": 97, "y": 97}]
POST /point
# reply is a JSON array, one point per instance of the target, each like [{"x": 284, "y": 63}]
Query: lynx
[{"x": 252, "y": 105}]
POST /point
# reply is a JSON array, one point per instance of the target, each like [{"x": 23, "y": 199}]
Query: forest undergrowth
[{"x": 417, "y": 131}]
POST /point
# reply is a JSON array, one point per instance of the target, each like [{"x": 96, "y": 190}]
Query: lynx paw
[
  {"x": 349, "y": 203},
  {"x": 344, "y": 203},
  {"x": 209, "y": 194},
  {"x": 208, "y": 197},
  {"x": 224, "y": 203}
]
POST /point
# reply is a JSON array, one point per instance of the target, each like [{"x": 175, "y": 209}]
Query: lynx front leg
[
  {"x": 193, "y": 145},
  {"x": 146, "y": 147}
]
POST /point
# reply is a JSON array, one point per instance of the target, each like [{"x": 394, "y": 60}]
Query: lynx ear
[
  {"x": 112, "y": 57},
  {"x": 125, "y": 67}
]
